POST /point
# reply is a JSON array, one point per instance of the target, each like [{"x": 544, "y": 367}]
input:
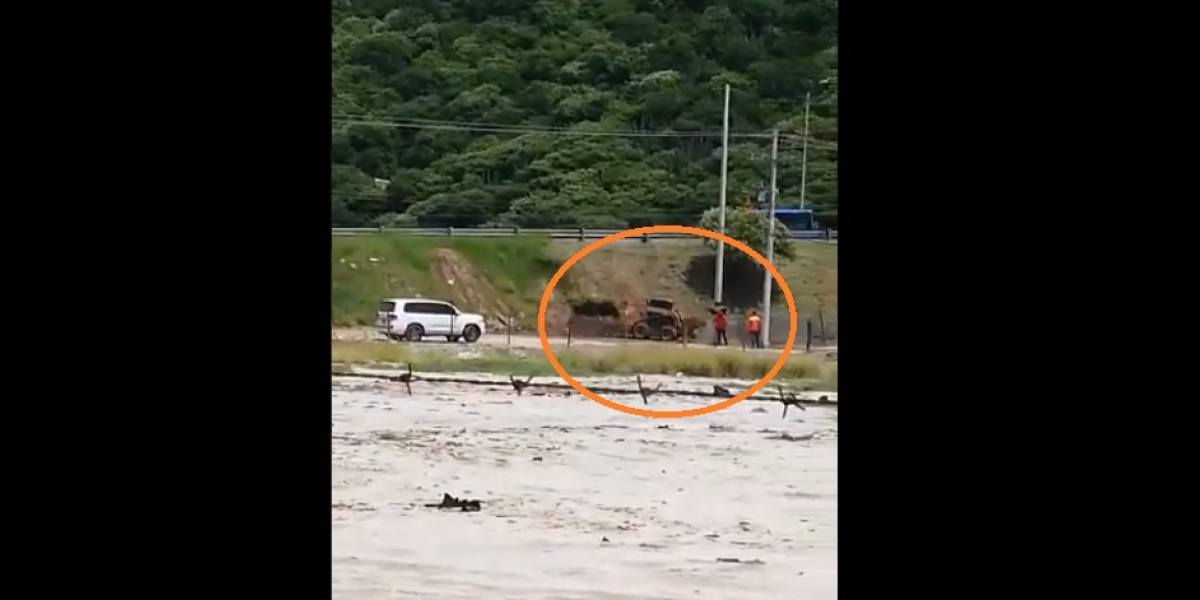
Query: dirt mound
[
  {"x": 601, "y": 317},
  {"x": 558, "y": 313},
  {"x": 596, "y": 308},
  {"x": 469, "y": 289},
  {"x": 630, "y": 274},
  {"x": 609, "y": 318}
]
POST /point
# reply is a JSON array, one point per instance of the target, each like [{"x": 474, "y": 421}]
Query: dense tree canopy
[
  {"x": 565, "y": 113},
  {"x": 749, "y": 227}
]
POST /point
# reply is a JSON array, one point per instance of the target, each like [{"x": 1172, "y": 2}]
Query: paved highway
[{"x": 565, "y": 234}]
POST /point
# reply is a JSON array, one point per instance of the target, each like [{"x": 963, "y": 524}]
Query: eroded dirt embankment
[{"x": 504, "y": 278}]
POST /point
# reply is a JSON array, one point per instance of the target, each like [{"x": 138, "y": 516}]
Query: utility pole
[
  {"x": 767, "y": 279},
  {"x": 719, "y": 287},
  {"x": 804, "y": 152}
]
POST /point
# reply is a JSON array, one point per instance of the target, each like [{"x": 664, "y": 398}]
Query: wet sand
[{"x": 559, "y": 474}]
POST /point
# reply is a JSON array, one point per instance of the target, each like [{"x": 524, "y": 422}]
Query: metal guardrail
[{"x": 565, "y": 234}]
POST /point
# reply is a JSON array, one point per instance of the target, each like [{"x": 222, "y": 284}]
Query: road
[
  {"x": 562, "y": 234},
  {"x": 531, "y": 342}
]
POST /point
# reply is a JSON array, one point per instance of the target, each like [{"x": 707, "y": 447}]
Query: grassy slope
[
  {"x": 508, "y": 275},
  {"x": 514, "y": 272}
]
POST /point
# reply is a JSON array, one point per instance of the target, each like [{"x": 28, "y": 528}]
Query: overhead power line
[{"x": 432, "y": 124}]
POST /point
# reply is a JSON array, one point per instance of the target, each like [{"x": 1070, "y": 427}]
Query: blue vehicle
[{"x": 797, "y": 219}]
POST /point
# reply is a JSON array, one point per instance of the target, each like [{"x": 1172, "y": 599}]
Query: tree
[
  {"x": 355, "y": 197},
  {"x": 446, "y": 73},
  {"x": 749, "y": 227},
  {"x": 455, "y": 209}
]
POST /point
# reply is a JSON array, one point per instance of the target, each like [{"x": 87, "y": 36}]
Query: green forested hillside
[{"x": 558, "y": 113}]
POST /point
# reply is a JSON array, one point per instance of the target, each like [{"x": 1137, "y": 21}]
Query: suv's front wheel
[
  {"x": 471, "y": 333},
  {"x": 414, "y": 333}
]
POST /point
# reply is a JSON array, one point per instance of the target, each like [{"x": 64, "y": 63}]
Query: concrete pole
[
  {"x": 719, "y": 287},
  {"x": 804, "y": 152},
  {"x": 767, "y": 279}
]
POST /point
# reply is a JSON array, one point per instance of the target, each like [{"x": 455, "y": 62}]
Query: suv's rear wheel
[
  {"x": 471, "y": 333},
  {"x": 414, "y": 333}
]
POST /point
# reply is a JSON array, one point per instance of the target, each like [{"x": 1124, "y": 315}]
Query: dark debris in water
[
  {"x": 353, "y": 506},
  {"x": 787, "y": 437},
  {"x": 462, "y": 504}
]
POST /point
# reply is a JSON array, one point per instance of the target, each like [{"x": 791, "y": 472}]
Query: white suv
[{"x": 414, "y": 318}]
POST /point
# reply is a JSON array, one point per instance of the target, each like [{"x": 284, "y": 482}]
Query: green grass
[
  {"x": 512, "y": 269},
  {"x": 813, "y": 278},
  {"x": 593, "y": 361}
]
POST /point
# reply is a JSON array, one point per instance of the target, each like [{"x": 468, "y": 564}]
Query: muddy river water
[{"x": 578, "y": 501}]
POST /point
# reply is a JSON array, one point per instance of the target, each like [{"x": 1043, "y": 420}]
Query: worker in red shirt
[
  {"x": 754, "y": 329},
  {"x": 720, "y": 323}
]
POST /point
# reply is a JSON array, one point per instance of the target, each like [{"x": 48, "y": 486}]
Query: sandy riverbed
[{"x": 557, "y": 475}]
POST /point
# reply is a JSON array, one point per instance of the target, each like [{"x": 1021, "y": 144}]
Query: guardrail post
[
  {"x": 581, "y": 234},
  {"x": 828, "y": 234},
  {"x": 683, "y": 329},
  {"x": 808, "y": 337},
  {"x": 821, "y": 318},
  {"x": 645, "y": 238},
  {"x": 516, "y": 231},
  {"x": 450, "y": 231}
]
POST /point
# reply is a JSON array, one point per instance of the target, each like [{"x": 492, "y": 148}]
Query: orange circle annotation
[{"x": 666, "y": 414}]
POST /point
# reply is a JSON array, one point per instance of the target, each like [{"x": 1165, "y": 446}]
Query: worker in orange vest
[
  {"x": 754, "y": 329},
  {"x": 720, "y": 322}
]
